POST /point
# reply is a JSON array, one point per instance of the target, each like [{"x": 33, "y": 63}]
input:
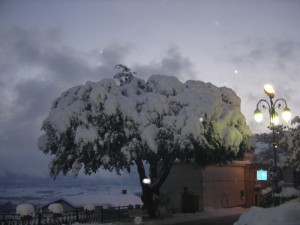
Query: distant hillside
[
  {"x": 16, "y": 189},
  {"x": 18, "y": 181}
]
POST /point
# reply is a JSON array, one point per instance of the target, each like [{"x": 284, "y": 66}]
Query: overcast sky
[{"x": 47, "y": 47}]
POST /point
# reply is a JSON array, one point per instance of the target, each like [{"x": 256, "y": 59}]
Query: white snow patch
[
  {"x": 86, "y": 134},
  {"x": 56, "y": 208},
  {"x": 25, "y": 210},
  {"x": 149, "y": 134},
  {"x": 89, "y": 207},
  {"x": 105, "y": 199},
  {"x": 287, "y": 213},
  {"x": 289, "y": 192}
]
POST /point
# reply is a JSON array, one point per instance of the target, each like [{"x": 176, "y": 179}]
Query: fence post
[
  {"x": 102, "y": 219},
  {"x": 40, "y": 218},
  {"x": 77, "y": 216},
  {"x": 119, "y": 213}
]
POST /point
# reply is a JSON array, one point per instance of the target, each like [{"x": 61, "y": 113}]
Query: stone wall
[
  {"x": 184, "y": 183},
  {"x": 224, "y": 186}
]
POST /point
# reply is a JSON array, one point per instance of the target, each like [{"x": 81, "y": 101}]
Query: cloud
[
  {"x": 114, "y": 53},
  {"x": 279, "y": 56},
  {"x": 36, "y": 68},
  {"x": 173, "y": 63}
]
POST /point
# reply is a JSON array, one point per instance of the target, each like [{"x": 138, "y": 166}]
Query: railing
[
  {"x": 267, "y": 200},
  {"x": 98, "y": 216}
]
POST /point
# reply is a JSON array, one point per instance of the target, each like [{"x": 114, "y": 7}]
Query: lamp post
[{"x": 271, "y": 106}]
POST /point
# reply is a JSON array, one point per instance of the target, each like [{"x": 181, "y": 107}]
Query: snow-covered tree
[
  {"x": 288, "y": 146},
  {"x": 265, "y": 151},
  {"x": 264, "y": 146},
  {"x": 124, "y": 75},
  {"x": 110, "y": 126},
  {"x": 291, "y": 142}
]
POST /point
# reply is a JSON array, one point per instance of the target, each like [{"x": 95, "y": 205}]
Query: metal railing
[
  {"x": 67, "y": 218},
  {"x": 267, "y": 200}
]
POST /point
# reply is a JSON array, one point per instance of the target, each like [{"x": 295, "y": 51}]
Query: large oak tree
[{"x": 114, "y": 125}]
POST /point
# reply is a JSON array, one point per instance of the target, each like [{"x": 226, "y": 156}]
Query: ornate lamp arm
[
  {"x": 280, "y": 103},
  {"x": 264, "y": 105}
]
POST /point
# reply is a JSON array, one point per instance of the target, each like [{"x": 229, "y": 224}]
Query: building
[
  {"x": 67, "y": 206},
  {"x": 104, "y": 200},
  {"x": 183, "y": 185},
  {"x": 230, "y": 185}
]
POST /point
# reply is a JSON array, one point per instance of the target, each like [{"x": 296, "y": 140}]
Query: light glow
[
  {"x": 275, "y": 119},
  {"x": 146, "y": 181},
  {"x": 258, "y": 115},
  {"x": 262, "y": 175},
  {"x": 286, "y": 114},
  {"x": 269, "y": 90}
]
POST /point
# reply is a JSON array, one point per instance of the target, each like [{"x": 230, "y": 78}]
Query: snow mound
[
  {"x": 25, "y": 210},
  {"x": 56, "y": 208},
  {"x": 289, "y": 192},
  {"x": 287, "y": 213},
  {"x": 89, "y": 207}
]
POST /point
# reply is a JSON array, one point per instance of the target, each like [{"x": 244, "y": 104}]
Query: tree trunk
[
  {"x": 150, "y": 200},
  {"x": 150, "y": 196}
]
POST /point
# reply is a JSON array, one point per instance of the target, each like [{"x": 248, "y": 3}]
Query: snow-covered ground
[
  {"x": 186, "y": 217},
  {"x": 285, "y": 214}
]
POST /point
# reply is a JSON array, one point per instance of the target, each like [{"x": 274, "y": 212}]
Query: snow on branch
[
  {"x": 124, "y": 75},
  {"x": 102, "y": 124}
]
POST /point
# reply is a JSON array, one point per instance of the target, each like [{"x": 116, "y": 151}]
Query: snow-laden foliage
[
  {"x": 111, "y": 126},
  {"x": 124, "y": 75},
  {"x": 264, "y": 150},
  {"x": 25, "y": 210},
  {"x": 108, "y": 125},
  {"x": 291, "y": 143},
  {"x": 288, "y": 192}
]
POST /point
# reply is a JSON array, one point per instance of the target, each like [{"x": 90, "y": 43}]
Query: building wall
[
  {"x": 251, "y": 196},
  {"x": 231, "y": 185},
  {"x": 224, "y": 186},
  {"x": 183, "y": 175},
  {"x": 288, "y": 177}
]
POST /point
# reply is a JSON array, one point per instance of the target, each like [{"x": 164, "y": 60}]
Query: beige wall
[
  {"x": 223, "y": 186},
  {"x": 216, "y": 186},
  {"x": 183, "y": 175}
]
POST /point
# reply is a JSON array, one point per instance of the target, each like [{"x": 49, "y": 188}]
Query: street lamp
[{"x": 271, "y": 107}]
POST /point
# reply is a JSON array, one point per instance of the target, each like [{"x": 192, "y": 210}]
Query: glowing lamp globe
[
  {"x": 286, "y": 114},
  {"x": 269, "y": 90},
  {"x": 258, "y": 115},
  {"x": 146, "y": 181},
  {"x": 275, "y": 118}
]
